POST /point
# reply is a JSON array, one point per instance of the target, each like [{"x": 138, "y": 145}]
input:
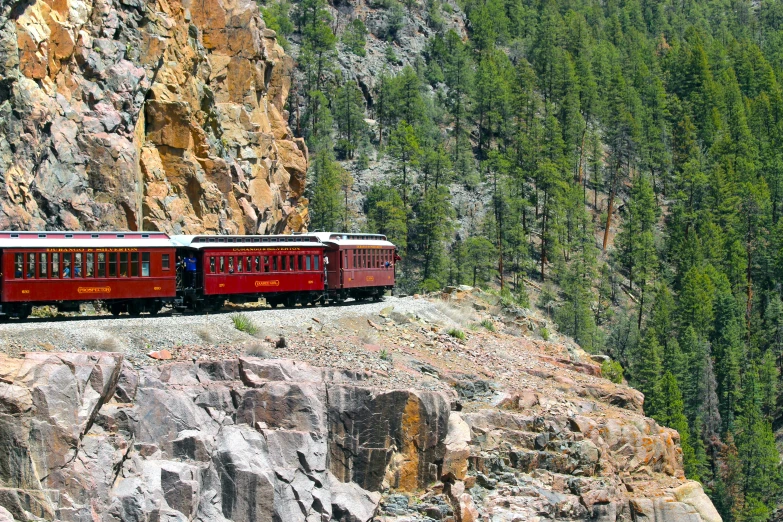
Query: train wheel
[
  {"x": 115, "y": 309},
  {"x": 154, "y": 310},
  {"x": 217, "y": 306},
  {"x": 134, "y": 310},
  {"x": 273, "y": 304}
]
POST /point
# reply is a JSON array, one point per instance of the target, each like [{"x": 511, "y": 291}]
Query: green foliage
[
  {"x": 355, "y": 37},
  {"x": 488, "y": 324},
  {"x": 457, "y": 334},
  {"x": 243, "y": 323},
  {"x": 430, "y": 285},
  {"x": 277, "y": 18},
  {"x": 384, "y": 355},
  {"x": 544, "y": 333},
  {"x": 390, "y": 55},
  {"x": 386, "y": 215},
  {"x": 612, "y": 370},
  {"x": 572, "y": 123}
]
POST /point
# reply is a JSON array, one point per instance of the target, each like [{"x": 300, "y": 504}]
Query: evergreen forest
[{"x": 629, "y": 157}]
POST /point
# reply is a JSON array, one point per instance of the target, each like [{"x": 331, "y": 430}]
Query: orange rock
[{"x": 161, "y": 355}]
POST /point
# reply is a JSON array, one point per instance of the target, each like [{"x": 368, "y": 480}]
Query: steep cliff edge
[
  {"x": 402, "y": 422},
  {"x": 146, "y": 115}
]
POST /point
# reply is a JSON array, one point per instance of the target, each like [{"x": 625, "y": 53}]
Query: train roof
[
  {"x": 258, "y": 241},
  {"x": 84, "y": 240},
  {"x": 352, "y": 239}
]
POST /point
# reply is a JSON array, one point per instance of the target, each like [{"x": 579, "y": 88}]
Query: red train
[{"x": 137, "y": 272}]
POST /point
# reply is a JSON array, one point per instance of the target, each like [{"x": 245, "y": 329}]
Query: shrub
[
  {"x": 244, "y": 324},
  {"x": 544, "y": 333},
  {"x": 457, "y": 334},
  {"x": 430, "y": 285},
  {"x": 613, "y": 371},
  {"x": 257, "y": 349},
  {"x": 102, "y": 344},
  {"x": 385, "y": 355},
  {"x": 488, "y": 324},
  {"x": 355, "y": 37},
  {"x": 391, "y": 56},
  {"x": 205, "y": 334}
]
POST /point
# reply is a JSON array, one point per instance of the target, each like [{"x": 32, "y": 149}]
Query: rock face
[
  {"x": 146, "y": 115},
  {"x": 86, "y": 437}
]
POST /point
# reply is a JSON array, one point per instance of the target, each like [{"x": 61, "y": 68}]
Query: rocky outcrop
[
  {"x": 146, "y": 115},
  {"x": 86, "y": 437}
]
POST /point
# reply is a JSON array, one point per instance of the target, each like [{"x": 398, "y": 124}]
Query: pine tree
[
  {"x": 349, "y": 115},
  {"x": 647, "y": 374},
  {"x": 480, "y": 258},
  {"x": 404, "y": 147},
  {"x": 670, "y": 414},
  {"x": 756, "y": 450},
  {"x": 386, "y": 215}
]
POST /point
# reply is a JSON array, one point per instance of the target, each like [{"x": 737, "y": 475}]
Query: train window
[
  {"x": 89, "y": 263},
  {"x": 165, "y": 261},
  {"x": 266, "y": 263},
  {"x": 301, "y": 263},
  {"x": 211, "y": 265},
  {"x": 124, "y": 264},
  {"x": 30, "y": 266},
  {"x": 308, "y": 263},
  {"x": 257, "y": 263},
  {"x": 55, "y": 271},
  {"x": 222, "y": 264},
  {"x": 274, "y": 263},
  {"x": 292, "y": 263},
  {"x": 249, "y": 264},
  {"x": 315, "y": 262},
  {"x": 66, "y": 266},
  {"x": 134, "y": 264},
  {"x": 19, "y": 266},
  {"x": 239, "y": 263},
  {"x": 42, "y": 265},
  {"x": 112, "y": 272},
  {"x": 101, "y": 264},
  {"x": 145, "y": 264},
  {"x": 77, "y": 265}
]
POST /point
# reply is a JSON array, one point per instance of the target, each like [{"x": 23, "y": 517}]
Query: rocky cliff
[
  {"x": 146, "y": 115},
  {"x": 401, "y": 423}
]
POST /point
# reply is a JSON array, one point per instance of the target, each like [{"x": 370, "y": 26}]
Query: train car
[
  {"x": 359, "y": 266},
  {"x": 284, "y": 269},
  {"x": 131, "y": 272}
]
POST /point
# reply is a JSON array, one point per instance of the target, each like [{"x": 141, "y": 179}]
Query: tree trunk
[{"x": 608, "y": 218}]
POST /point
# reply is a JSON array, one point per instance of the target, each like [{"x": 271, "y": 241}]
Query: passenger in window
[
  {"x": 77, "y": 271},
  {"x": 18, "y": 272},
  {"x": 67, "y": 270},
  {"x": 230, "y": 265},
  {"x": 190, "y": 269}
]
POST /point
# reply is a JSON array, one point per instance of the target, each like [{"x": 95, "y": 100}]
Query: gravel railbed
[{"x": 210, "y": 335}]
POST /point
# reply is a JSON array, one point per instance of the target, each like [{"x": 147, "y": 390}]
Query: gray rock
[{"x": 350, "y": 503}]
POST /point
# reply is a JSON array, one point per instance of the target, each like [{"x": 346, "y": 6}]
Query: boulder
[
  {"x": 351, "y": 503},
  {"x": 455, "y": 459}
]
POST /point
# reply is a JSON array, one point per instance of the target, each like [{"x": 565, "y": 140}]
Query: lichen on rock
[{"x": 146, "y": 115}]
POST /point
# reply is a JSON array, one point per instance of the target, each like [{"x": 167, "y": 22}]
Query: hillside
[
  {"x": 494, "y": 424},
  {"x": 616, "y": 164}
]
